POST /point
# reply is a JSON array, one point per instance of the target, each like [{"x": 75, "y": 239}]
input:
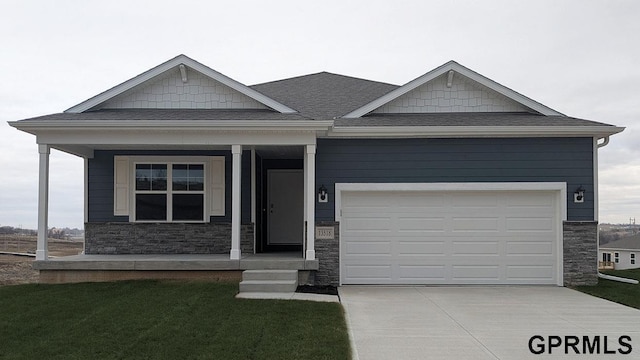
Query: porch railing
[{"x": 606, "y": 265}]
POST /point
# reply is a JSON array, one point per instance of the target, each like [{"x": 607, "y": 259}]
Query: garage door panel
[
  {"x": 529, "y": 224},
  {"x": 368, "y": 248},
  {"x": 490, "y": 248},
  {"x": 369, "y": 274},
  {"x": 479, "y": 200},
  {"x": 529, "y": 248},
  {"x": 475, "y": 224},
  {"x": 475, "y": 272},
  {"x": 420, "y": 224},
  {"x": 421, "y": 273},
  {"x": 490, "y": 237},
  {"x": 540, "y": 273},
  {"x": 419, "y": 248}
]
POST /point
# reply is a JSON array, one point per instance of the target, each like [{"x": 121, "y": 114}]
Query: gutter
[{"x": 617, "y": 278}]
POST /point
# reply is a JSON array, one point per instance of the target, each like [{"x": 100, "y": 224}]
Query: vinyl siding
[
  {"x": 101, "y": 183},
  {"x": 567, "y": 160}
]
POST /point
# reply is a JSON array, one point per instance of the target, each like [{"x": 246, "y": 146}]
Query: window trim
[
  {"x": 125, "y": 185},
  {"x": 169, "y": 192},
  {"x": 616, "y": 257},
  {"x": 632, "y": 258}
]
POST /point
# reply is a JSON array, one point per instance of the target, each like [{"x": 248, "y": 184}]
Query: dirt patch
[{"x": 18, "y": 269}]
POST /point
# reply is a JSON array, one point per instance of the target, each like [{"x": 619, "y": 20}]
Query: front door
[{"x": 285, "y": 207}]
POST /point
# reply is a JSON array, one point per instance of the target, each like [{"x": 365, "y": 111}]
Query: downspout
[{"x": 601, "y": 275}]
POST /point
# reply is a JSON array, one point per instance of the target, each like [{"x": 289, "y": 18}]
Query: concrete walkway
[{"x": 487, "y": 322}]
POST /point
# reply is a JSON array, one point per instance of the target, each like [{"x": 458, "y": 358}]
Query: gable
[
  {"x": 429, "y": 95},
  {"x": 180, "y": 83},
  {"x": 169, "y": 91},
  {"x": 460, "y": 95}
]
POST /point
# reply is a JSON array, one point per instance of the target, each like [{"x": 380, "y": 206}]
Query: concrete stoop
[{"x": 269, "y": 281}]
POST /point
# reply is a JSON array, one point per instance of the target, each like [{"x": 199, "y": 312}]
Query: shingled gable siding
[{"x": 103, "y": 227}]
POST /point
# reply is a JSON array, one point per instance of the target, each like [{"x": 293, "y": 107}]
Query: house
[
  {"x": 451, "y": 178},
  {"x": 620, "y": 254}
]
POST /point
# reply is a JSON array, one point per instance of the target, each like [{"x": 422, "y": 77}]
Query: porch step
[
  {"x": 270, "y": 275},
  {"x": 269, "y": 281}
]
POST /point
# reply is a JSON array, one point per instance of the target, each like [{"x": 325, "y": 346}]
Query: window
[
  {"x": 616, "y": 257},
  {"x": 169, "y": 188},
  {"x": 169, "y": 192},
  {"x": 633, "y": 258},
  {"x": 606, "y": 257}
]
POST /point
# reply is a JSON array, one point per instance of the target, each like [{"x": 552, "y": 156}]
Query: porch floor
[{"x": 179, "y": 262}]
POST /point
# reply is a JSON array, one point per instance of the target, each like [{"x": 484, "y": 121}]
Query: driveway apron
[{"x": 487, "y": 322}]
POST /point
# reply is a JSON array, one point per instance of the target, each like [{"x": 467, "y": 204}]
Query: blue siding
[
  {"x": 101, "y": 183},
  {"x": 567, "y": 160}
]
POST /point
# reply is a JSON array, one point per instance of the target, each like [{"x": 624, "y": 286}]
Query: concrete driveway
[{"x": 488, "y": 322}]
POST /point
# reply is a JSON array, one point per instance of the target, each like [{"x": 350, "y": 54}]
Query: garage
[{"x": 506, "y": 233}]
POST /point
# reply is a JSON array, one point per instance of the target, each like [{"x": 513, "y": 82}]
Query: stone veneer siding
[
  {"x": 328, "y": 255},
  {"x": 580, "y": 248},
  {"x": 163, "y": 238}
]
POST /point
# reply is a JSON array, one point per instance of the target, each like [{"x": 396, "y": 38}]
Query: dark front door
[{"x": 285, "y": 204}]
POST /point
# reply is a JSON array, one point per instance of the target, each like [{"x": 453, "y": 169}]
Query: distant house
[
  {"x": 451, "y": 178},
  {"x": 620, "y": 254}
]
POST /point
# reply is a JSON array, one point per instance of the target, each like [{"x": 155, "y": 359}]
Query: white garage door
[{"x": 449, "y": 237}]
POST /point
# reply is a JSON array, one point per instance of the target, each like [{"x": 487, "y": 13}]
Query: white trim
[
  {"x": 172, "y": 125},
  {"x": 236, "y": 189},
  {"x": 310, "y": 202},
  {"x": 141, "y": 138},
  {"x": 168, "y": 65},
  {"x": 559, "y": 187},
  {"x": 443, "y": 69},
  {"x": 472, "y": 131},
  {"x": 86, "y": 191},
  {"x": 169, "y": 161},
  {"x": 42, "y": 246}
]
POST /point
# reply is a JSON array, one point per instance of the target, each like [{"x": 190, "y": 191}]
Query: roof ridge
[{"x": 321, "y": 73}]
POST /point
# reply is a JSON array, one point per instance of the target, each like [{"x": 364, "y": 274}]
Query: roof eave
[
  {"x": 474, "y": 131},
  {"x": 71, "y": 125}
]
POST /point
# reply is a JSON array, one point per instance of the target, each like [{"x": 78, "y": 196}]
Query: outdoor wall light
[
  {"x": 578, "y": 196},
  {"x": 323, "y": 197}
]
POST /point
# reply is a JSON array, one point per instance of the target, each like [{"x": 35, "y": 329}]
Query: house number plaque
[{"x": 324, "y": 233}]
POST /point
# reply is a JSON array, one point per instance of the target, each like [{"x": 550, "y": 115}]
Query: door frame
[{"x": 266, "y": 166}]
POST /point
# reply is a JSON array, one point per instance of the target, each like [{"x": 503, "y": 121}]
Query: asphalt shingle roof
[
  {"x": 630, "y": 242},
  {"x": 324, "y": 95},
  {"x": 465, "y": 119},
  {"x": 170, "y": 115}
]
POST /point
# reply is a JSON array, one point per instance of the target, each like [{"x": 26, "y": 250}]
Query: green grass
[
  {"x": 626, "y": 294},
  {"x": 164, "y": 320}
]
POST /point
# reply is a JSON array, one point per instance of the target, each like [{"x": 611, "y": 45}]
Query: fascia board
[
  {"x": 168, "y": 65},
  {"x": 452, "y": 65},
  {"x": 472, "y": 131},
  {"x": 167, "y": 125}
]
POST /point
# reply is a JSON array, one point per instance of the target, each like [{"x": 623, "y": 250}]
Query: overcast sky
[{"x": 581, "y": 58}]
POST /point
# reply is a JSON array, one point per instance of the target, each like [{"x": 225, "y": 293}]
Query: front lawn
[
  {"x": 627, "y": 294},
  {"x": 164, "y": 320}
]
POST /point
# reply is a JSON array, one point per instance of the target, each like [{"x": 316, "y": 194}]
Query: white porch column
[
  {"x": 310, "y": 200},
  {"x": 236, "y": 220},
  {"x": 43, "y": 203}
]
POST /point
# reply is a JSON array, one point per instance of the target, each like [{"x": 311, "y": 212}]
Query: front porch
[{"x": 81, "y": 268}]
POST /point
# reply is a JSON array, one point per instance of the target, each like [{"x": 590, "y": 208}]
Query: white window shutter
[
  {"x": 121, "y": 181},
  {"x": 217, "y": 186}
]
